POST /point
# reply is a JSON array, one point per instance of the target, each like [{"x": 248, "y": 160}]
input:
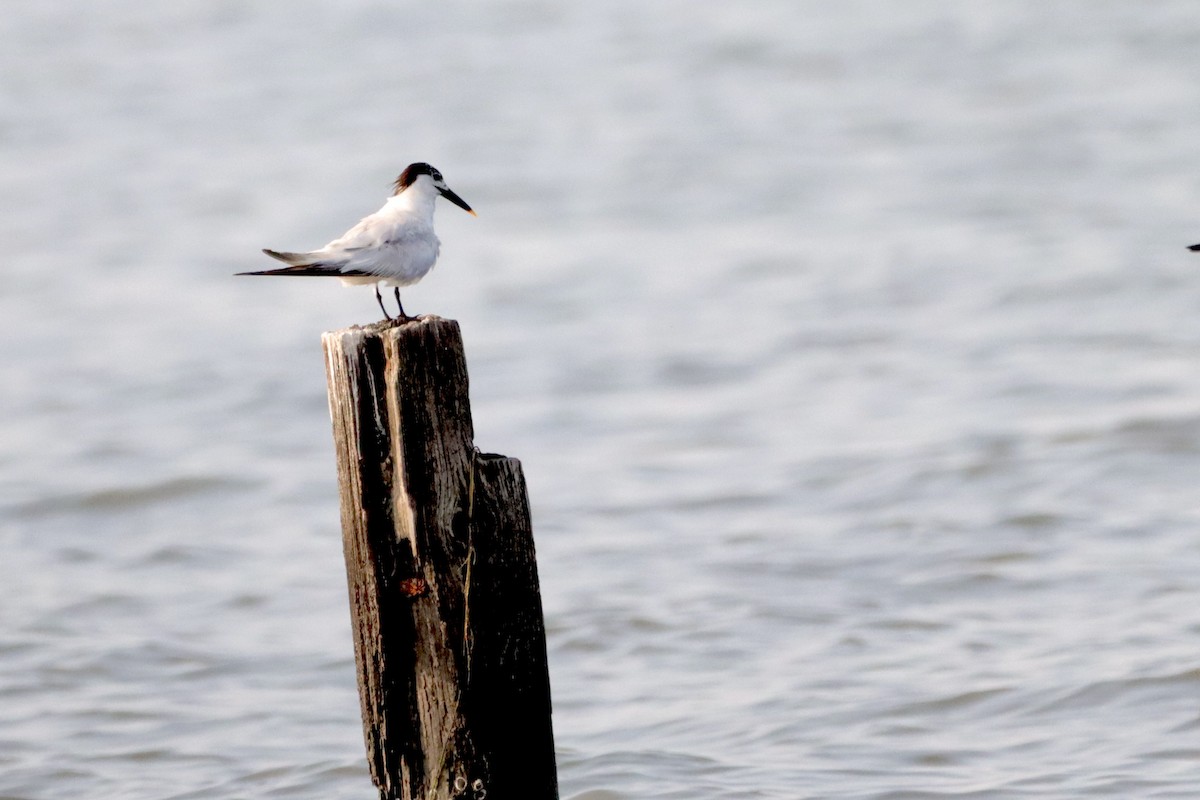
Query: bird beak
[{"x": 458, "y": 201}]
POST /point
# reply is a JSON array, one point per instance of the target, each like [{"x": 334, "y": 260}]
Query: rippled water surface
[{"x": 850, "y": 349}]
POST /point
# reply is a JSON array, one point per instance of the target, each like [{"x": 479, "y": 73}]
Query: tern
[
  {"x": 1194, "y": 247},
  {"x": 395, "y": 246}
]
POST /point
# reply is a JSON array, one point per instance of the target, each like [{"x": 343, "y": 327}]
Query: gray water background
[{"x": 850, "y": 350}]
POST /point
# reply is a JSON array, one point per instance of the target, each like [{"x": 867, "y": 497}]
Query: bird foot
[{"x": 396, "y": 322}]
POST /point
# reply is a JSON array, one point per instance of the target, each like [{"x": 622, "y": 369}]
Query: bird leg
[
  {"x": 402, "y": 314},
  {"x": 379, "y": 299}
]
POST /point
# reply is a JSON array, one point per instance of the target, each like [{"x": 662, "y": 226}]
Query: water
[{"x": 850, "y": 351}]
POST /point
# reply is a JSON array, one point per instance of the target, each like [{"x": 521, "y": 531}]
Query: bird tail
[
  {"x": 305, "y": 264},
  {"x": 1194, "y": 247},
  {"x": 295, "y": 259}
]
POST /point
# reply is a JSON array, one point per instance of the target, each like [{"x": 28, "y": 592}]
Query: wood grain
[{"x": 448, "y": 631}]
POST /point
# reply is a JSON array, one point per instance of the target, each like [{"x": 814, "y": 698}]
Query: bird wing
[
  {"x": 408, "y": 254},
  {"x": 330, "y": 260},
  {"x": 306, "y": 264},
  {"x": 371, "y": 232},
  {"x": 383, "y": 244},
  {"x": 311, "y": 269},
  {"x": 364, "y": 250}
]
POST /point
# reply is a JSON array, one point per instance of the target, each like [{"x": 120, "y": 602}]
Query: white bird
[{"x": 395, "y": 246}]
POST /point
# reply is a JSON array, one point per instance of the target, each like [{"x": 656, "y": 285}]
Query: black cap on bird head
[{"x": 414, "y": 171}]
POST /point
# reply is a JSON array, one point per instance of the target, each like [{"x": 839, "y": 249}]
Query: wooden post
[{"x": 447, "y": 614}]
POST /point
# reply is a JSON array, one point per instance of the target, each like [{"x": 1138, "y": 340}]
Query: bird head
[{"x": 422, "y": 171}]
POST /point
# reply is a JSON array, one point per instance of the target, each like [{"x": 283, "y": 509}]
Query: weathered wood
[
  {"x": 508, "y": 686},
  {"x": 449, "y": 638}
]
